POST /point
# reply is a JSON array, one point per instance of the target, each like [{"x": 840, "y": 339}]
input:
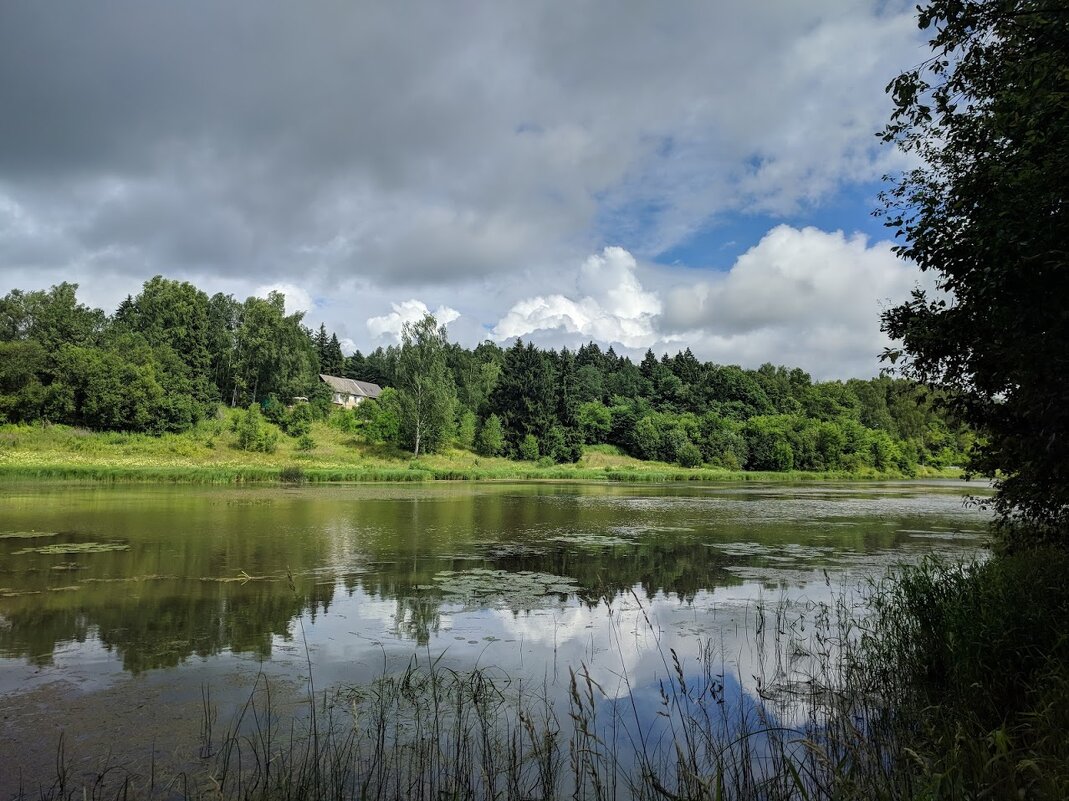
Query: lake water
[{"x": 120, "y": 607}]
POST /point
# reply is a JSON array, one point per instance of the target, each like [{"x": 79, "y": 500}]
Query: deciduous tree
[
  {"x": 424, "y": 385},
  {"x": 987, "y": 214}
]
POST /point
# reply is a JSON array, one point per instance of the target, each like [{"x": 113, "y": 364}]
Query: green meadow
[{"x": 209, "y": 453}]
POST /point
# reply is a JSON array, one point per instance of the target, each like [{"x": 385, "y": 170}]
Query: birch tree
[{"x": 425, "y": 385}]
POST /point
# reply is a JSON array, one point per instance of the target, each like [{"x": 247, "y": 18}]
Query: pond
[{"x": 127, "y": 611}]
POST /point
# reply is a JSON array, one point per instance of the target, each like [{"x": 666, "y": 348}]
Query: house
[{"x": 348, "y": 392}]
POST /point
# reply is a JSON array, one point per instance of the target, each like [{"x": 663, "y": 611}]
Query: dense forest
[{"x": 171, "y": 354}]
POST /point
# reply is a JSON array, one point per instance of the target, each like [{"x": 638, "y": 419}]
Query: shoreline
[
  {"x": 298, "y": 473},
  {"x": 207, "y": 456}
]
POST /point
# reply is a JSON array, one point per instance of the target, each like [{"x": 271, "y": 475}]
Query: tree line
[
  {"x": 169, "y": 355},
  {"x": 161, "y": 363}
]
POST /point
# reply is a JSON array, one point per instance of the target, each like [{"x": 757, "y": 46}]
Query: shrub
[
  {"x": 382, "y": 417},
  {"x": 466, "y": 429},
  {"x": 555, "y": 447},
  {"x": 491, "y": 437},
  {"x": 529, "y": 448},
  {"x": 298, "y": 420},
  {"x": 729, "y": 461},
  {"x": 273, "y": 410},
  {"x": 646, "y": 438},
  {"x": 253, "y": 434},
  {"x": 689, "y": 455},
  {"x": 344, "y": 420},
  {"x": 595, "y": 422}
]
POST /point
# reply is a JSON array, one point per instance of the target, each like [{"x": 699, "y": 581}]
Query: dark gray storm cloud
[{"x": 211, "y": 134}]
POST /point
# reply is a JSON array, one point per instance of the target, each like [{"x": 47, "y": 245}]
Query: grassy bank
[
  {"x": 207, "y": 455},
  {"x": 948, "y": 682}
]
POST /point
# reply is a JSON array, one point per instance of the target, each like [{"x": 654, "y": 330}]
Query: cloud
[
  {"x": 801, "y": 297},
  {"x": 474, "y": 156},
  {"x": 389, "y": 326},
  {"x": 614, "y": 309},
  {"x": 423, "y": 146},
  {"x": 297, "y": 299}
]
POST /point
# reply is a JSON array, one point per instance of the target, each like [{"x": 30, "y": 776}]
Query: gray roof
[{"x": 350, "y": 386}]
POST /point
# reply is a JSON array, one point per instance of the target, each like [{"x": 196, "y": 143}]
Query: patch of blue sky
[{"x": 727, "y": 236}]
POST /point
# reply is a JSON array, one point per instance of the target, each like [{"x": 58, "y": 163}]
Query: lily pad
[
  {"x": 938, "y": 534},
  {"x": 512, "y": 549},
  {"x": 122, "y": 579},
  {"x": 592, "y": 540},
  {"x": 789, "y": 552},
  {"x": 66, "y": 548},
  {"x": 25, "y": 535},
  {"x": 483, "y": 587}
]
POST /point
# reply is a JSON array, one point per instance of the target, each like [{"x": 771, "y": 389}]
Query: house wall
[{"x": 345, "y": 400}]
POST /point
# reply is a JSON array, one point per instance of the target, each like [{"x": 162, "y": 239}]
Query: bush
[
  {"x": 491, "y": 437},
  {"x": 646, "y": 441},
  {"x": 253, "y": 434},
  {"x": 466, "y": 429},
  {"x": 562, "y": 445},
  {"x": 529, "y": 448},
  {"x": 729, "y": 461},
  {"x": 298, "y": 421},
  {"x": 344, "y": 420},
  {"x": 769, "y": 443},
  {"x": 382, "y": 417},
  {"x": 273, "y": 410},
  {"x": 720, "y": 443},
  {"x": 689, "y": 455},
  {"x": 306, "y": 443}
]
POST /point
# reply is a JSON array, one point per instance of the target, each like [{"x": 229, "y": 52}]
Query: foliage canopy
[{"x": 987, "y": 213}]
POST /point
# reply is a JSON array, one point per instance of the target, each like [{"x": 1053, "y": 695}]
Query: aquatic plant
[
  {"x": 64, "y": 548},
  {"x": 522, "y": 589}
]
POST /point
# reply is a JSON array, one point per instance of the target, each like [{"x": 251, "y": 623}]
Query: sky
[{"x": 642, "y": 175}]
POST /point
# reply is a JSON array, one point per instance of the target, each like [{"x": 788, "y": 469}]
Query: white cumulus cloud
[
  {"x": 407, "y": 311},
  {"x": 613, "y": 306},
  {"x": 801, "y": 297}
]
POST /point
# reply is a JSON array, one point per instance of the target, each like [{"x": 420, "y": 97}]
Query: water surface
[{"x": 121, "y": 606}]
